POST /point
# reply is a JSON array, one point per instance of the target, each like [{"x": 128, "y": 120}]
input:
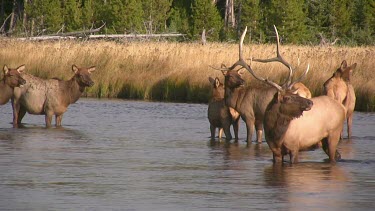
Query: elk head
[
  {"x": 345, "y": 71},
  {"x": 289, "y": 102},
  {"x": 12, "y": 76},
  {"x": 217, "y": 88},
  {"x": 82, "y": 75}
]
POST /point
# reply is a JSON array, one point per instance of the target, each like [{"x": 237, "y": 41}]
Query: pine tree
[
  {"x": 179, "y": 16},
  {"x": 156, "y": 14},
  {"x": 87, "y": 16},
  {"x": 133, "y": 19},
  {"x": 205, "y": 16},
  {"x": 249, "y": 15},
  {"x": 72, "y": 15},
  {"x": 341, "y": 16},
  {"x": 45, "y": 16}
]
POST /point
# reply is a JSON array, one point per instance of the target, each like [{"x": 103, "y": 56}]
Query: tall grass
[{"x": 168, "y": 71}]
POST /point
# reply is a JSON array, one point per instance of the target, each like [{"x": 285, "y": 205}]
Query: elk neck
[
  {"x": 275, "y": 123},
  {"x": 233, "y": 96},
  {"x": 75, "y": 90},
  {"x": 6, "y": 92}
]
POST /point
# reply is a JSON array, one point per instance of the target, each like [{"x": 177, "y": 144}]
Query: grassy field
[{"x": 168, "y": 71}]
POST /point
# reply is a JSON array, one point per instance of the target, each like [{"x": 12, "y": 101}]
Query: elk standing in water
[
  {"x": 219, "y": 115},
  {"x": 11, "y": 79},
  {"x": 293, "y": 123},
  {"x": 339, "y": 88},
  {"x": 49, "y": 97}
]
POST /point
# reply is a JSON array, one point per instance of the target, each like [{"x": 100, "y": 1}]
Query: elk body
[
  {"x": 250, "y": 103},
  {"x": 12, "y": 78},
  {"x": 219, "y": 115},
  {"x": 49, "y": 97},
  {"x": 338, "y": 87},
  {"x": 293, "y": 123}
]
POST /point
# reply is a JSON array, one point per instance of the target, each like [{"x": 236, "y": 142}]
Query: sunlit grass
[{"x": 169, "y": 71}]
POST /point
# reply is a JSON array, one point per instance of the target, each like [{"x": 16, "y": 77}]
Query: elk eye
[{"x": 286, "y": 99}]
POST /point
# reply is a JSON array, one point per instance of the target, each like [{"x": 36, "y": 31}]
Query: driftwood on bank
[{"x": 89, "y": 34}]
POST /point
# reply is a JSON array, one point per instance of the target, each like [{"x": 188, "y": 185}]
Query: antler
[
  {"x": 241, "y": 62},
  {"x": 288, "y": 83}
]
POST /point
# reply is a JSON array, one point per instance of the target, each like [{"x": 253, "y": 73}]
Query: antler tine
[
  {"x": 300, "y": 78},
  {"x": 278, "y": 58},
  {"x": 248, "y": 68}
]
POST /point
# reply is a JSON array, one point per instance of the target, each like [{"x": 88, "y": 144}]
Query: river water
[{"x": 130, "y": 155}]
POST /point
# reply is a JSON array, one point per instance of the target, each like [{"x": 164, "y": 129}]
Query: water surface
[{"x": 129, "y": 155}]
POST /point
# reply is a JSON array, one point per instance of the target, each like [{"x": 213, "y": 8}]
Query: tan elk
[
  {"x": 12, "y": 78},
  {"x": 293, "y": 123},
  {"x": 49, "y": 97},
  {"x": 219, "y": 115},
  {"x": 339, "y": 88}
]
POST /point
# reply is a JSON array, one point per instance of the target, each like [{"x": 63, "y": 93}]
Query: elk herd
[
  {"x": 289, "y": 117},
  {"x": 292, "y": 120}
]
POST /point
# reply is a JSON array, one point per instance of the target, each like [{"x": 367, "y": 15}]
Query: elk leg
[
  {"x": 16, "y": 109},
  {"x": 58, "y": 120},
  {"x": 277, "y": 156},
  {"x": 349, "y": 121},
  {"x": 213, "y": 131},
  {"x": 21, "y": 114},
  {"x": 249, "y": 130},
  {"x": 293, "y": 155},
  {"x": 48, "y": 118},
  {"x": 259, "y": 130},
  {"x": 236, "y": 125},
  {"x": 228, "y": 135},
  {"x": 220, "y": 131}
]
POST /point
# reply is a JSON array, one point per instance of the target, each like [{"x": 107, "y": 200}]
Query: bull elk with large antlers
[
  {"x": 49, "y": 97},
  {"x": 293, "y": 123},
  {"x": 12, "y": 78},
  {"x": 251, "y": 103},
  {"x": 339, "y": 88}
]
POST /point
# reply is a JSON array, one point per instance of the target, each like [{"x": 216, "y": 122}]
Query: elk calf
[
  {"x": 219, "y": 115},
  {"x": 11, "y": 79},
  {"x": 49, "y": 97},
  {"x": 338, "y": 87}
]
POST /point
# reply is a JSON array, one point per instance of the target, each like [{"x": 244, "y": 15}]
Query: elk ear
[
  {"x": 5, "y": 69},
  {"x": 343, "y": 65},
  {"x": 353, "y": 66},
  {"x": 217, "y": 82},
  {"x": 91, "y": 69},
  {"x": 211, "y": 80},
  {"x": 225, "y": 72},
  {"x": 75, "y": 69},
  {"x": 21, "y": 68}
]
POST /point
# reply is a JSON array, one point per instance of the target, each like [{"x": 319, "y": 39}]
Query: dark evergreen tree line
[{"x": 299, "y": 21}]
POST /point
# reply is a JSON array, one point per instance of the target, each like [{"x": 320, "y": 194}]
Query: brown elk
[
  {"x": 293, "y": 123},
  {"x": 12, "y": 78},
  {"x": 339, "y": 88},
  {"x": 219, "y": 115},
  {"x": 49, "y": 97}
]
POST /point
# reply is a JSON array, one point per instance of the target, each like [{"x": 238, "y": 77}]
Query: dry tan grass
[{"x": 136, "y": 69}]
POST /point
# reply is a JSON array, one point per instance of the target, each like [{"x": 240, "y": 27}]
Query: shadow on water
[{"x": 239, "y": 151}]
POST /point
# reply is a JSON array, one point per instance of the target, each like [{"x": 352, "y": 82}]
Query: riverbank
[{"x": 169, "y": 71}]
